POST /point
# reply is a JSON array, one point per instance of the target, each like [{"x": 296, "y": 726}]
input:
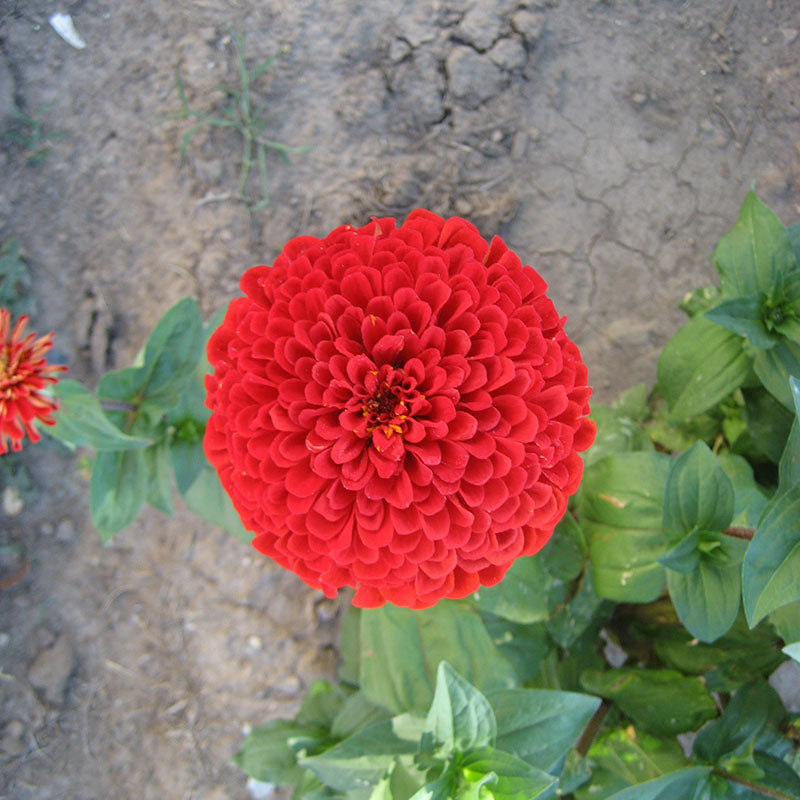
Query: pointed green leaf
[
  {"x": 357, "y": 712},
  {"x": 698, "y": 493},
  {"x": 742, "y": 315},
  {"x": 117, "y": 491},
  {"x": 564, "y": 555},
  {"x": 401, "y": 650},
  {"x": 582, "y": 612},
  {"x": 81, "y": 421},
  {"x": 755, "y": 253},
  {"x": 794, "y": 384},
  {"x": 540, "y": 725},
  {"x": 685, "y": 556},
  {"x": 687, "y": 784},
  {"x": 701, "y": 365},
  {"x": 662, "y": 701},
  {"x": 706, "y": 599},
  {"x": 460, "y": 718},
  {"x": 793, "y": 651},
  {"x": 771, "y": 574},
  {"x": 774, "y": 369}
]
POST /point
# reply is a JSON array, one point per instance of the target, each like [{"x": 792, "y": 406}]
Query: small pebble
[{"x": 12, "y": 502}]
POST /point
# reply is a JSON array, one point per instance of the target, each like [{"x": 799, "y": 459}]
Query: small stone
[
  {"x": 509, "y": 54},
  {"x": 260, "y": 790},
  {"x": 4, "y": 639},
  {"x": 12, "y": 502},
  {"x": 254, "y": 643},
  {"x": 65, "y": 532},
  {"x": 638, "y": 98},
  {"x": 47, "y": 529},
  {"x": 789, "y": 35},
  {"x": 51, "y": 670},
  {"x": 13, "y": 742},
  {"x": 530, "y": 24},
  {"x": 325, "y": 609},
  {"x": 463, "y": 207},
  {"x": 289, "y": 686}
]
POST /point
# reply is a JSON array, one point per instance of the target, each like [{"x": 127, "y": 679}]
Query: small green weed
[
  {"x": 15, "y": 279},
  {"x": 30, "y": 134},
  {"x": 239, "y": 114}
]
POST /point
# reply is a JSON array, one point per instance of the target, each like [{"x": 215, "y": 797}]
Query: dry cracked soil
[{"x": 610, "y": 142}]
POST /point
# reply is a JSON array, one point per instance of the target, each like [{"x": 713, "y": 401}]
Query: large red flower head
[
  {"x": 397, "y": 409},
  {"x": 23, "y": 374}
]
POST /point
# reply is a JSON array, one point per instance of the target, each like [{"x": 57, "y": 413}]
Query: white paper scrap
[{"x": 62, "y": 24}]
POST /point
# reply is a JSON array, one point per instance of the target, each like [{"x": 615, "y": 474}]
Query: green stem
[
  {"x": 754, "y": 787},
  {"x": 117, "y": 405}
]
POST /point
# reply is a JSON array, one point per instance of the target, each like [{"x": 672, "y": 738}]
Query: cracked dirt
[{"x": 609, "y": 141}]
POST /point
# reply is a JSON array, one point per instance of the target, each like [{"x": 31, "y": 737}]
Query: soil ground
[{"x": 610, "y": 142}]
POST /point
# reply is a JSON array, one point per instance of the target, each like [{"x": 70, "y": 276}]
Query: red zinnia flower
[
  {"x": 23, "y": 374},
  {"x": 397, "y": 409}
]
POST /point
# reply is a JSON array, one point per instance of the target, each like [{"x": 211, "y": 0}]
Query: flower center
[{"x": 389, "y": 401}]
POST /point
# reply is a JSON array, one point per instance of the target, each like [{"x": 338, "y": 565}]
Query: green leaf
[
  {"x": 621, "y": 511},
  {"x": 440, "y": 789},
  {"x": 460, "y": 718},
  {"x": 793, "y": 232},
  {"x": 742, "y": 315},
  {"x": 701, "y": 365},
  {"x": 540, "y": 725},
  {"x": 80, "y": 421},
  {"x": 564, "y": 555},
  {"x": 771, "y": 574},
  {"x": 208, "y": 499},
  {"x": 793, "y": 651},
  {"x": 768, "y": 423},
  {"x": 357, "y": 712},
  {"x": 505, "y": 776},
  {"x": 362, "y": 759},
  {"x": 749, "y": 499},
  {"x": 401, "y": 650},
  {"x": 787, "y": 621},
  {"x": 159, "y": 477},
  {"x": 794, "y": 385},
  {"x": 269, "y": 752},
  {"x": 522, "y": 594},
  {"x": 706, "y": 599},
  {"x": 698, "y": 493},
  {"x": 584, "y": 611},
  {"x": 789, "y": 466},
  {"x": 776, "y": 774},
  {"x": 756, "y": 254},
  {"x": 730, "y": 662},
  {"x": 575, "y": 774},
  {"x": 774, "y": 369},
  {"x": 627, "y": 757},
  {"x": 687, "y": 784},
  {"x": 662, "y": 701},
  {"x": 685, "y": 556},
  {"x": 322, "y": 704},
  {"x": 525, "y": 646},
  {"x": 744, "y": 718},
  {"x": 117, "y": 491},
  {"x": 617, "y": 432}
]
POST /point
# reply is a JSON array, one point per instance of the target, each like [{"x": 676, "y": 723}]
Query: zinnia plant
[
  {"x": 24, "y": 374},
  {"x": 397, "y": 409}
]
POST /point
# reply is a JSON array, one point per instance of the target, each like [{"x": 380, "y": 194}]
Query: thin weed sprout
[
  {"x": 29, "y": 133},
  {"x": 239, "y": 114}
]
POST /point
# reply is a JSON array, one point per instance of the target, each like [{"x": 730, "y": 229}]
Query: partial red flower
[
  {"x": 23, "y": 374},
  {"x": 397, "y": 409}
]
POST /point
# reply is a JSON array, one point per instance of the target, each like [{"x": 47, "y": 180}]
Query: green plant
[
  {"x": 238, "y": 113},
  {"x": 29, "y": 132},
  {"x": 15, "y": 279},
  {"x": 667, "y": 595}
]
